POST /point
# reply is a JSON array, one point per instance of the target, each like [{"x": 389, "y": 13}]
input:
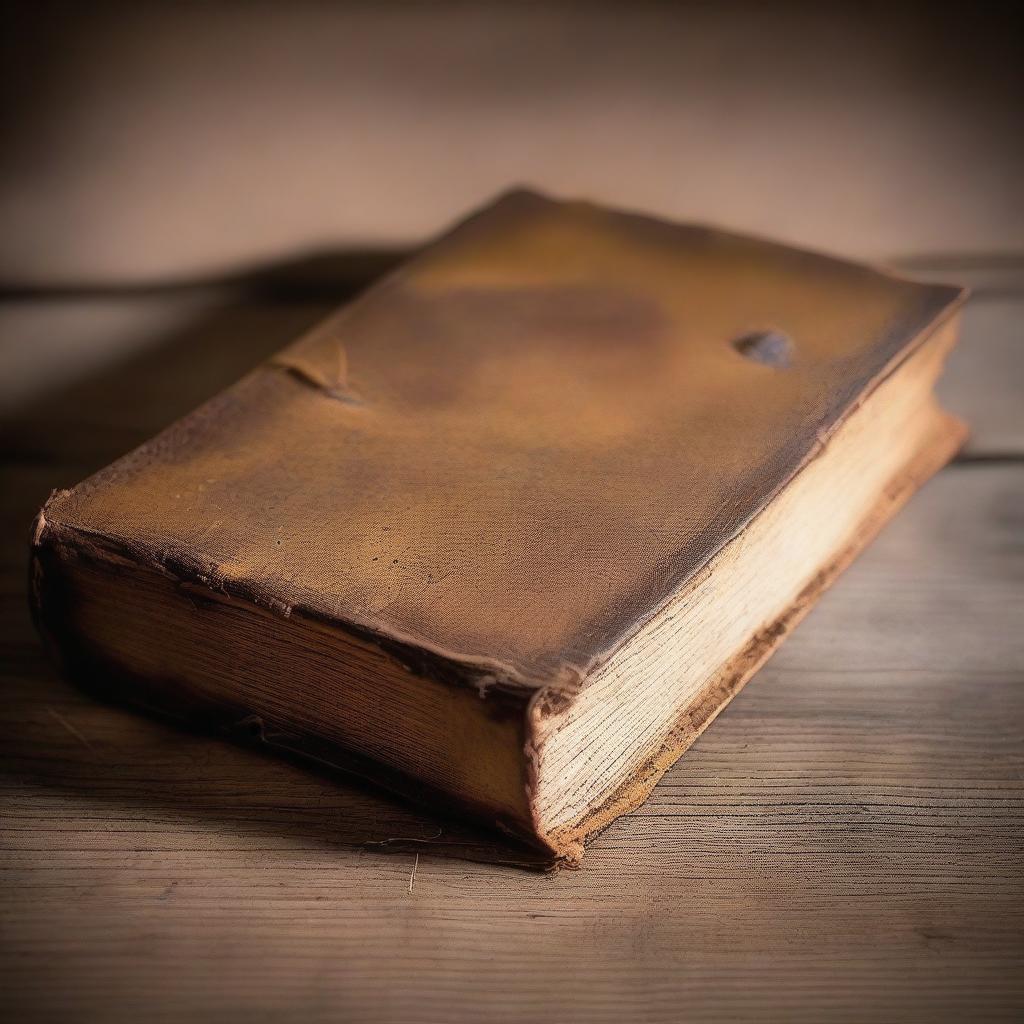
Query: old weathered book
[{"x": 511, "y": 529}]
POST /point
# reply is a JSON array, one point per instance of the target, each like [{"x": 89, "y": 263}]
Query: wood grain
[{"x": 846, "y": 843}]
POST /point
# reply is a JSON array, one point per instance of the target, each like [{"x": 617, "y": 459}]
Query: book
[{"x": 509, "y": 530}]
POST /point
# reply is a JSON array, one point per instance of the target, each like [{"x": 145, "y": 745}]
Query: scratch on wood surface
[
  {"x": 376, "y": 843},
  {"x": 412, "y": 876},
  {"x": 74, "y": 732}
]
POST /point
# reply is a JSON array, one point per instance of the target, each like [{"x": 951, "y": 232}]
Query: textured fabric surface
[{"x": 513, "y": 450}]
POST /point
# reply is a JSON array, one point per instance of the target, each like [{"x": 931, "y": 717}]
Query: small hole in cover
[{"x": 771, "y": 348}]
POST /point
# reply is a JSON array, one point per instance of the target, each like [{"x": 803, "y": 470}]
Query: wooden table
[{"x": 845, "y": 843}]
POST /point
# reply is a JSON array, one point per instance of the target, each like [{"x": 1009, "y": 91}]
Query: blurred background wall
[{"x": 150, "y": 142}]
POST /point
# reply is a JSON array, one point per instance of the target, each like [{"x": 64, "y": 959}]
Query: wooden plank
[
  {"x": 845, "y": 842},
  {"x": 113, "y": 404},
  {"x": 168, "y": 354},
  {"x": 984, "y": 380}
]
